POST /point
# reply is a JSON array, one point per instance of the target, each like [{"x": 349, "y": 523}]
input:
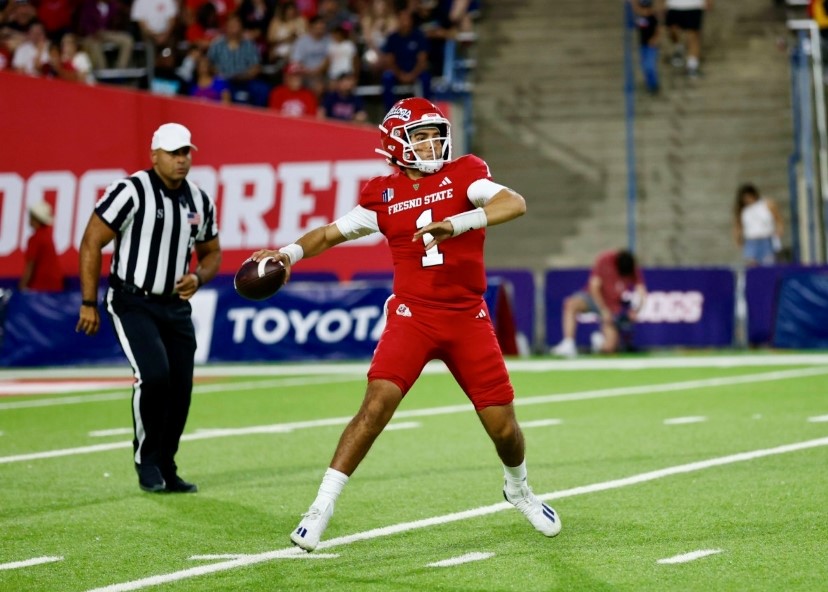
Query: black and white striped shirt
[{"x": 156, "y": 229}]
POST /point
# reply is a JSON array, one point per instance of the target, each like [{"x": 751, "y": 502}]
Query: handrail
[
  {"x": 629, "y": 102},
  {"x": 810, "y": 27}
]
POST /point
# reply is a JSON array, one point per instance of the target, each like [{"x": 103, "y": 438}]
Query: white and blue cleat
[
  {"x": 543, "y": 517},
  {"x": 314, "y": 522}
]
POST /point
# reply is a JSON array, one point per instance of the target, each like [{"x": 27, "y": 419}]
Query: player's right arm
[
  {"x": 358, "y": 222},
  {"x": 310, "y": 244}
]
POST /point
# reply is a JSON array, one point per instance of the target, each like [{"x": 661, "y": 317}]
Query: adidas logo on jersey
[
  {"x": 403, "y": 310},
  {"x": 481, "y": 315},
  {"x": 446, "y": 181}
]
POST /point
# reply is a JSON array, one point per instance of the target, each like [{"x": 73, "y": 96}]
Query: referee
[{"x": 157, "y": 218}]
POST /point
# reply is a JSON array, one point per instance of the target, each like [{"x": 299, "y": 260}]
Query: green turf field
[{"x": 642, "y": 465}]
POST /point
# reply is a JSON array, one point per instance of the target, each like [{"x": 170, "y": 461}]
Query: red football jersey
[{"x": 452, "y": 274}]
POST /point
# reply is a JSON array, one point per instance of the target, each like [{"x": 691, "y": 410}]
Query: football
[{"x": 259, "y": 280}]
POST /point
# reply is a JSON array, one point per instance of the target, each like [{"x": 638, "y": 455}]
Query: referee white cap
[{"x": 170, "y": 137}]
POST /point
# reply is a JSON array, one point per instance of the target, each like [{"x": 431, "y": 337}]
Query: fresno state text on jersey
[{"x": 451, "y": 274}]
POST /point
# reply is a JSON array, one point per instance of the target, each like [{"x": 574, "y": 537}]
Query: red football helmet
[{"x": 404, "y": 117}]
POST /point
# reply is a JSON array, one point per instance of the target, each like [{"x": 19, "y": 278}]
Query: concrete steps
[{"x": 549, "y": 105}]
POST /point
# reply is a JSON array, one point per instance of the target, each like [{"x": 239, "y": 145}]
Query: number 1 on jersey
[{"x": 433, "y": 256}]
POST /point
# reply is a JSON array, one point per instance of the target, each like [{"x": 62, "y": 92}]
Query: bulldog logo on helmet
[{"x": 399, "y": 113}]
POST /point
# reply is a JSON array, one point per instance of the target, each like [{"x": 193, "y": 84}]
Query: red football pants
[{"x": 463, "y": 339}]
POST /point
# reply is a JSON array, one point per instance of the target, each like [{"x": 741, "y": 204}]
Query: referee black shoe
[
  {"x": 150, "y": 479},
  {"x": 176, "y": 484}
]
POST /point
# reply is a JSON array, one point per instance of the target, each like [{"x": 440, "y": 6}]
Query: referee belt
[{"x": 122, "y": 286}]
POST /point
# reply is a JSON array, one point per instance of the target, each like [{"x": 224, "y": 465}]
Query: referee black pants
[{"x": 158, "y": 339}]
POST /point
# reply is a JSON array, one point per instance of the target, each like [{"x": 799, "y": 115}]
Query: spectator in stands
[
  {"x": 205, "y": 27},
  {"x": 32, "y": 56},
  {"x": 56, "y": 16},
  {"x": 68, "y": 62},
  {"x": 757, "y": 226},
  {"x": 236, "y": 59},
  {"x": 256, "y": 16},
  {"x": 646, "y": 22},
  {"x": 336, "y": 15},
  {"x": 307, "y": 8},
  {"x": 440, "y": 21},
  {"x": 223, "y": 8},
  {"x": 341, "y": 103},
  {"x": 343, "y": 56},
  {"x": 406, "y": 60},
  {"x": 42, "y": 271},
  {"x": 684, "y": 20},
  {"x": 377, "y": 22},
  {"x": 286, "y": 26},
  {"x": 5, "y": 53},
  {"x": 291, "y": 98},
  {"x": 157, "y": 20},
  {"x": 206, "y": 85},
  {"x": 616, "y": 292},
  {"x": 96, "y": 26},
  {"x": 311, "y": 52},
  {"x": 17, "y": 18}
]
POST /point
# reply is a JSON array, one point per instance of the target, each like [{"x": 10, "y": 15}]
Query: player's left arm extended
[{"x": 503, "y": 206}]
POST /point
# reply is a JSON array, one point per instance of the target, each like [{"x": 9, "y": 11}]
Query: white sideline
[
  {"x": 455, "y": 517},
  {"x": 536, "y": 365},
  {"x": 449, "y": 409}
]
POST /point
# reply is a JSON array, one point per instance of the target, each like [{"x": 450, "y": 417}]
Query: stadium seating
[{"x": 556, "y": 132}]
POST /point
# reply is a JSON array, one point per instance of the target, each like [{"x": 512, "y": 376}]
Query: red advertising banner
[{"x": 273, "y": 178}]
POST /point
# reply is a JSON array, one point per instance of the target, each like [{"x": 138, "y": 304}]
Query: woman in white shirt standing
[{"x": 757, "y": 226}]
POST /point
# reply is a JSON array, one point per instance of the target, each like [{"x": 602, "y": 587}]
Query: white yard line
[
  {"x": 818, "y": 419},
  {"x": 541, "y": 423},
  {"x": 29, "y": 562},
  {"x": 691, "y": 556},
  {"x": 455, "y": 517},
  {"x": 403, "y": 425},
  {"x": 225, "y": 556},
  {"x": 467, "y": 558},
  {"x": 112, "y": 432},
  {"x": 684, "y": 420},
  {"x": 450, "y": 409}
]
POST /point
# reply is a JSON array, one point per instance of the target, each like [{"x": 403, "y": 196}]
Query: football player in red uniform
[{"x": 433, "y": 211}]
